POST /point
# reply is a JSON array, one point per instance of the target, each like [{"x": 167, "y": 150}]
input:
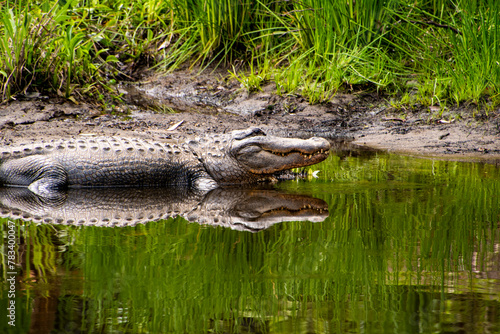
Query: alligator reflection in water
[{"x": 245, "y": 209}]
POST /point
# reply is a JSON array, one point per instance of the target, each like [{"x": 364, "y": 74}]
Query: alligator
[
  {"x": 241, "y": 208},
  {"x": 240, "y": 157}
]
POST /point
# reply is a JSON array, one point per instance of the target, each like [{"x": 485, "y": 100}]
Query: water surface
[{"x": 410, "y": 246}]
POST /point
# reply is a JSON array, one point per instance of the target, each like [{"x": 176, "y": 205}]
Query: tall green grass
[
  {"x": 452, "y": 49},
  {"x": 308, "y": 47}
]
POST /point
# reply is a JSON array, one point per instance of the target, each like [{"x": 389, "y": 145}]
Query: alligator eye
[
  {"x": 257, "y": 132},
  {"x": 250, "y": 132}
]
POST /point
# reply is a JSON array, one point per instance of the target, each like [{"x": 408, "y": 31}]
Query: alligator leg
[{"x": 42, "y": 175}]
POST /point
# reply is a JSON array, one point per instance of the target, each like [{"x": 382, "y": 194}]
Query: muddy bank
[{"x": 184, "y": 104}]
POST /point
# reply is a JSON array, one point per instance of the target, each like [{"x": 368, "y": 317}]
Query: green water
[{"x": 410, "y": 246}]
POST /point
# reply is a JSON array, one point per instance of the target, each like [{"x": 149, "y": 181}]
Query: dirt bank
[{"x": 208, "y": 104}]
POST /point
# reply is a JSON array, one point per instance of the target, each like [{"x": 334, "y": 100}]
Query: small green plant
[
  {"x": 257, "y": 74},
  {"x": 70, "y": 44}
]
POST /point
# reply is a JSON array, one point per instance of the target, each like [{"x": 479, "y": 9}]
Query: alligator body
[
  {"x": 241, "y": 208},
  {"x": 240, "y": 157}
]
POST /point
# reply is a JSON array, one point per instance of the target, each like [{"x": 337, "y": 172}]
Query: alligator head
[{"x": 249, "y": 155}]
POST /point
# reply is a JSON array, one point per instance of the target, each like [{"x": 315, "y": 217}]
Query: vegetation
[{"x": 433, "y": 52}]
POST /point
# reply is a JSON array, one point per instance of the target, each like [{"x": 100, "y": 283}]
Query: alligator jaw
[{"x": 266, "y": 155}]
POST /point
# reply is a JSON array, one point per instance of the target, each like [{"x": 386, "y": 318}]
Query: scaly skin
[
  {"x": 241, "y": 157},
  {"x": 241, "y": 208}
]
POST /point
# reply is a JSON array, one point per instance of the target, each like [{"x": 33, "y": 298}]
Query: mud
[{"x": 184, "y": 104}]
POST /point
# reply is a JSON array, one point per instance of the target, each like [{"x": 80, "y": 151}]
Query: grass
[{"x": 314, "y": 48}]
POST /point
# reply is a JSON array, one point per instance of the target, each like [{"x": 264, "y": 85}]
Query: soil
[{"x": 184, "y": 103}]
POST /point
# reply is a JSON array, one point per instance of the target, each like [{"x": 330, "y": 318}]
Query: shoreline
[{"x": 204, "y": 104}]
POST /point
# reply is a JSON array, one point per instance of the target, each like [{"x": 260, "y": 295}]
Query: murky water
[{"x": 406, "y": 246}]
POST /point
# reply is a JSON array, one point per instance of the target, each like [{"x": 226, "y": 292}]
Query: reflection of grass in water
[
  {"x": 35, "y": 251},
  {"x": 403, "y": 240}
]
